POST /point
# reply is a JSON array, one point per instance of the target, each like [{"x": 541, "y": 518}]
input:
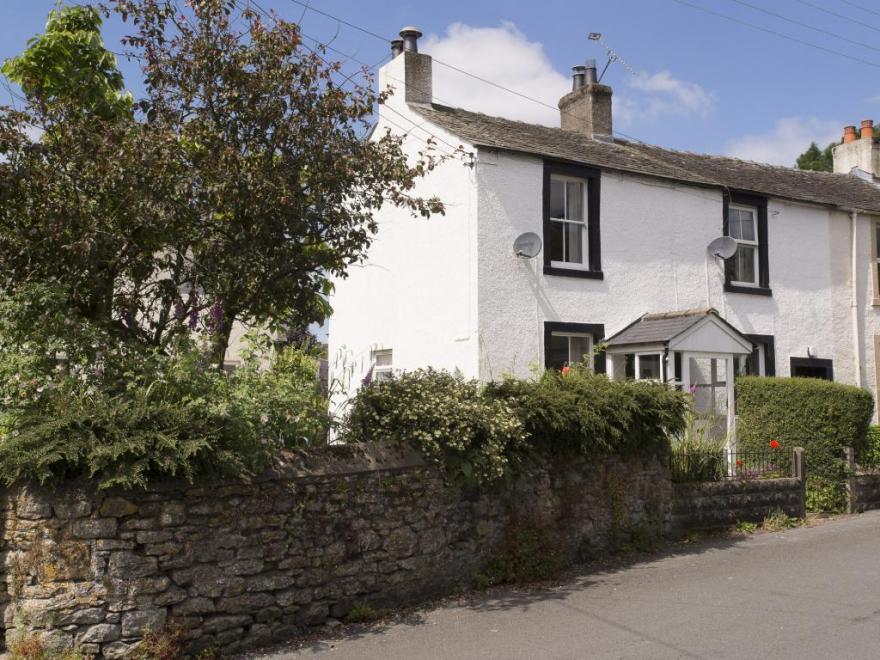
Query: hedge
[{"x": 819, "y": 415}]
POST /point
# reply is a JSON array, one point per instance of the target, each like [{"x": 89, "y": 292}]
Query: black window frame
[
  {"x": 769, "y": 344},
  {"x": 760, "y": 203},
  {"x": 815, "y": 363},
  {"x": 593, "y": 177},
  {"x": 595, "y": 330}
]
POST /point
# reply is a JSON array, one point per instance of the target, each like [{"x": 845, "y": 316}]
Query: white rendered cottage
[{"x": 625, "y": 229}]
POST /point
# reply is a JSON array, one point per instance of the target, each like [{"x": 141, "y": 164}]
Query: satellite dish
[
  {"x": 723, "y": 246},
  {"x": 527, "y": 245}
]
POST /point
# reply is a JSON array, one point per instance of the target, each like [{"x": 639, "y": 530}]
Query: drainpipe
[{"x": 854, "y": 298}]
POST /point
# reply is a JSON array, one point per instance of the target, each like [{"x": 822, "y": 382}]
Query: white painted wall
[
  {"x": 416, "y": 293},
  {"x": 654, "y": 238},
  {"x": 448, "y": 292}
]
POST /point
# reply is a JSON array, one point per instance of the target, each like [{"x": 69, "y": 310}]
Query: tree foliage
[
  {"x": 814, "y": 158},
  {"x": 234, "y": 190}
]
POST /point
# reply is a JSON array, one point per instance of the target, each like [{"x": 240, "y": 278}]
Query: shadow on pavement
[{"x": 504, "y": 598}]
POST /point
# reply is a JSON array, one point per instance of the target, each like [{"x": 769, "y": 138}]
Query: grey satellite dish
[
  {"x": 527, "y": 245},
  {"x": 723, "y": 246}
]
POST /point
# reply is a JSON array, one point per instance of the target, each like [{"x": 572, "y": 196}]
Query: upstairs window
[
  {"x": 567, "y": 240},
  {"x": 571, "y": 221},
  {"x": 745, "y": 221},
  {"x": 743, "y": 226}
]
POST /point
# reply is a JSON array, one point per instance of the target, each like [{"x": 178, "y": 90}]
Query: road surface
[{"x": 804, "y": 593}]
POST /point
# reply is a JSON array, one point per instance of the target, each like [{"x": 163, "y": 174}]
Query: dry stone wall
[{"x": 238, "y": 565}]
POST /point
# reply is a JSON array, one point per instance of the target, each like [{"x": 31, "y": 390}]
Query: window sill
[
  {"x": 753, "y": 290},
  {"x": 875, "y": 302},
  {"x": 573, "y": 272}
]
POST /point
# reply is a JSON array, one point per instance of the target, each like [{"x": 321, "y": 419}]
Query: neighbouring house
[{"x": 625, "y": 229}]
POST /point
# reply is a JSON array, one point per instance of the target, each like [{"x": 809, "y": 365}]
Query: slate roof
[
  {"x": 661, "y": 328},
  {"x": 839, "y": 190}
]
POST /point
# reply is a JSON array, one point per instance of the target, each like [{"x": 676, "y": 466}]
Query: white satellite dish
[
  {"x": 723, "y": 246},
  {"x": 527, "y": 245}
]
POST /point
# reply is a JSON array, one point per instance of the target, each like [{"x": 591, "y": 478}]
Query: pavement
[{"x": 809, "y": 592}]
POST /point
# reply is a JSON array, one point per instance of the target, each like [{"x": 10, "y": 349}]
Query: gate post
[
  {"x": 851, "y": 504},
  {"x": 799, "y": 472}
]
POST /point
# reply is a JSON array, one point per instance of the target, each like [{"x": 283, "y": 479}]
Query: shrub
[
  {"x": 447, "y": 418},
  {"x": 779, "y": 521},
  {"x": 870, "y": 456},
  {"x": 579, "y": 413},
  {"x": 821, "y": 416},
  {"x": 73, "y": 403}
]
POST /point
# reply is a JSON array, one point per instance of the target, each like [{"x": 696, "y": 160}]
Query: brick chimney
[
  {"x": 587, "y": 108},
  {"x": 858, "y": 151},
  {"x": 409, "y": 71}
]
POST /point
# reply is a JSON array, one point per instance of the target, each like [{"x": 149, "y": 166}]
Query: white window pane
[
  {"x": 733, "y": 224},
  {"x": 744, "y": 264},
  {"x": 578, "y": 348},
  {"x": 382, "y": 358},
  {"x": 747, "y": 225},
  {"x": 574, "y": 243},
  {"x": 574, "y": 198},
  {"x": 557, "y": 198}
]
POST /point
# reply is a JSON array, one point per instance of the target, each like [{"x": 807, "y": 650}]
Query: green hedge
[
  {"x": 579, "y": 413},
  {"x": 821, "y": 416},
  {"x": 483, "y": 433}
]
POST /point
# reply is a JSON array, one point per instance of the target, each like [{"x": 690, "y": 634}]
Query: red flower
[
  {"x": 739, "y": 463},
  {"x": 774, "y": 444},
  {"x": 565, "y": 370}
]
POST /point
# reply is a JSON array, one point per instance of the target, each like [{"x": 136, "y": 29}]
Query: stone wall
[
  {"x": 711, "y": 504},
  {"x": 238, "y": 565},
  {"x": 864, "y": 492},
  {"x": 724, "y": 503}
]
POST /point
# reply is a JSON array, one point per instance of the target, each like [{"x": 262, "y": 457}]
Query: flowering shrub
[{"x": 444, "y": 416}]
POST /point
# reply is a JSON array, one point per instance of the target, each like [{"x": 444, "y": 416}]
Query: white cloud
[
  {"x": 669, "y": 96},
  {"x": 505, "y": 56},
  {"x": 788, "y": 138}
]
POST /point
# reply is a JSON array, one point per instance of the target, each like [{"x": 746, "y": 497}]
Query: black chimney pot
[
  {"x": 578, "y": 77},
  {"x": 410, "y": 36},
  {"x": 396, "y": 47}
]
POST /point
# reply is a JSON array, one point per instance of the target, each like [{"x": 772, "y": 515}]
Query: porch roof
[{"x": 672, "y": 329}]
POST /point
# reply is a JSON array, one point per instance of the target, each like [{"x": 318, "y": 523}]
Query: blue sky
[{"x": 702, "y": 82}]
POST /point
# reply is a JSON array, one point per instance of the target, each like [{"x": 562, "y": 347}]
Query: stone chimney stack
[
  {"x": 587, "y": 108},
  {"x": 409, "y": 72},
  {"x": 858, "y": 151}
]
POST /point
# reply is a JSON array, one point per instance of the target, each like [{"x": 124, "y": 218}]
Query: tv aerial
[
  {"x": 723, "y": 247},
  {"x": 613, "y": 56},
  {"x": 527, "y": 245}
]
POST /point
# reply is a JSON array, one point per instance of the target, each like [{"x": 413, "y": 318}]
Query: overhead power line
[
  {"x": 782, "y": 35},
  {"x": 806, "y": 25},
  {"x": 840, "y": 16},
  {"x": 857, "y": 6}
]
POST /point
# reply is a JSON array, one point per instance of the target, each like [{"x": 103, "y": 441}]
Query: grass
[
  {"x": 744, "y": 527},
  {"x": 779, "y": 521},
  {"x": 364, "y": 613}
]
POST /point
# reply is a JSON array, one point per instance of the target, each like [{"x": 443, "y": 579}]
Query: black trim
[
  {"x": 573, "y": 272},
  {"x": 769, "y": 344},
  {"x": 753, "y": 290},
  {"x": 813, "y": 363},
  {"x": 593, "y": 177},
  {"x": 595, "y": 330},
  {"x": 763, "y": 288}
]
